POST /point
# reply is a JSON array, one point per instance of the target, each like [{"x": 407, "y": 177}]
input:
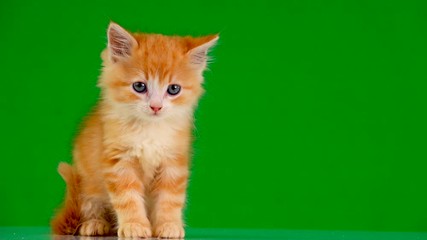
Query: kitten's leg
[
  {"x": 168, "y": 191},
  {"x": 93, "y": 211},
  {"x": 126, "y": 193}
]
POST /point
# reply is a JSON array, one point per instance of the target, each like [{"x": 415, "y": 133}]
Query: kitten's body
[{"x": 131, "y": 158}]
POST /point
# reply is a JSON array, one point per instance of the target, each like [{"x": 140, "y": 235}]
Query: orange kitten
[{"x": 131, "y": 158}]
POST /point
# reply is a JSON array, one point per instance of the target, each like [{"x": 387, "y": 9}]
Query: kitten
[{"x": 131, "y": 157}]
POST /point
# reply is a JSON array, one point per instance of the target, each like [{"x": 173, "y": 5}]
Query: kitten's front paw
[
  {"x": 169, "y": 230},
  {"x": 95, "y": 227},
  {"x": 134, "y": 230}
]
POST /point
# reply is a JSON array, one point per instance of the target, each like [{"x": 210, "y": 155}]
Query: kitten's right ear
[
  {"x": 199, "y": 48},
  {"x": 120, "y": 42}
]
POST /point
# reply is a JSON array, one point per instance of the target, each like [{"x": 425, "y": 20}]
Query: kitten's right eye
[{"x": 139, "y": 87}]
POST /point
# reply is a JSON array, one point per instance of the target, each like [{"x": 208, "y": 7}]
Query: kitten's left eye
[
  {"x": 174, "y": 89},
  {"x": 139, "y": 87}
]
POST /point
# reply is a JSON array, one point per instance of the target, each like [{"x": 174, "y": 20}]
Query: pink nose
[{"x": 155, "y": 109}]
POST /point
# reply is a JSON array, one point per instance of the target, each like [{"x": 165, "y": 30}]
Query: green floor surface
[{"x": 39, "y": 233}]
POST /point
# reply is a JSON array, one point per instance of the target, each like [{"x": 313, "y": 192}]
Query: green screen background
[{"x": 314, "y": 115}]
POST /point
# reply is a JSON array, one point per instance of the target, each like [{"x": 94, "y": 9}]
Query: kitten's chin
[
  {"x": 153, "y": 117},
  {"x": 156, "y": 115},
  {"x": 174, "y": 116}
]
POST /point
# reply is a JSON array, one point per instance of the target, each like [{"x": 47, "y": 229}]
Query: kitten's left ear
[
  {"x": 198, "y": 53},
  {"x": 120, "y": 42}
]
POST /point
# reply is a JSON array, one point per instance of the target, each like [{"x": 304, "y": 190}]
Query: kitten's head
[{"x": 152, "y": 76}]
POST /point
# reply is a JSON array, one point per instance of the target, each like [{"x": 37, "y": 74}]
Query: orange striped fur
[{"x": 131, "y": 157}]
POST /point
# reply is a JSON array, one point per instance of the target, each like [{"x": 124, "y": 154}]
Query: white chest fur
[{"x": 150, "y": 143}]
